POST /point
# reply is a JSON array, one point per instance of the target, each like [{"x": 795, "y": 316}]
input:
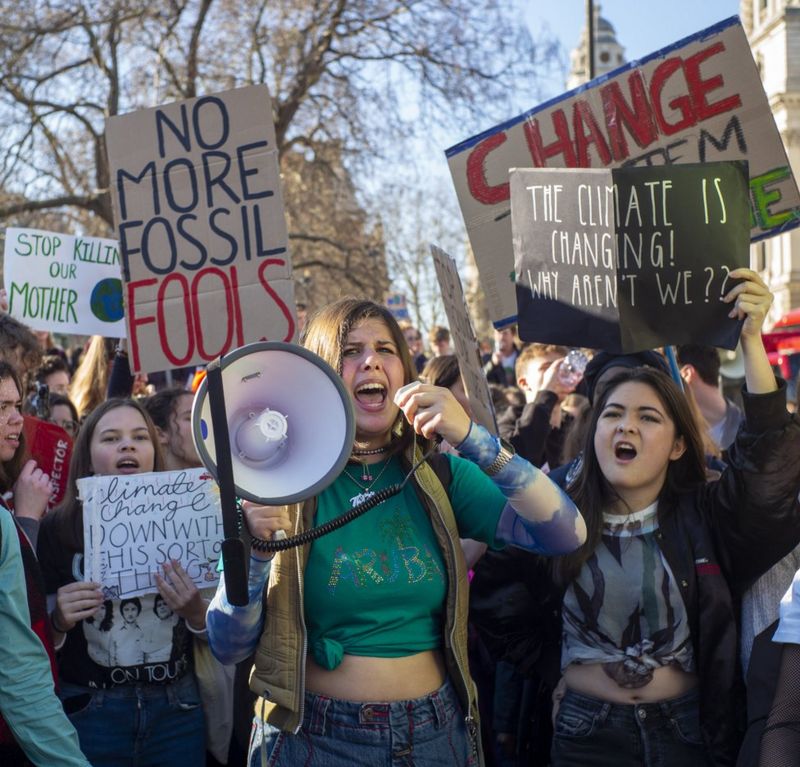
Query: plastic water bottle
[{"x": 572, "y": 368}]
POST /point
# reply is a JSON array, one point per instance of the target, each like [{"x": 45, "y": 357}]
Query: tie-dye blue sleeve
[
  {"x": 233, "y": 632},
  {"x": 539, "y": 516}
]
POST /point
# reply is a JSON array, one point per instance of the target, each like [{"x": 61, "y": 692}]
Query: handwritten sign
[
  {"x": 133, "y": 524},
  {"x": 629, "y": 259},
  {"x": 464, "y": 340},
  {"x": 199, "y": 214},
  {"x": 64, "y": 283},
  {"x": 699, "y": 100}
]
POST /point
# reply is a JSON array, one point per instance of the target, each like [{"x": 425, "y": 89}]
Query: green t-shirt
[{"x": 377, "y": 586}]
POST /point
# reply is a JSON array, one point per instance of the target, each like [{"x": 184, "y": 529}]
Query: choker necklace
[{"x": 374, "y": 451}]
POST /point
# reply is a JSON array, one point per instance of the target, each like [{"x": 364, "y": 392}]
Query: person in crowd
[
  {"x": 25, "y": 490},
  {"x": 301, "y": 310},
  {"x": 64, "y": 414},
  {"x": 414, "y": 340},
  {"x": 439, "y": 341},
  {"x": 171, "y": 411},
  {"x": 535, "y": 428},
  {"x": 780, "y": 743},
  {"x": 107, "y": 701},
  {"x": 760, "y": 655},
  {"x": 33, "y": 726},
  {"x": 48, "y": 345},
  {"x": 88, "y": 387},
  {"x": 19, "y": 347},
  {"x": 361, "y": 638},
  {"x": 54, "y": 373},
  {"x": 499, "y": 366},
  {"x": 699, "y": 366},
  {"x": 636, "y": 632}
]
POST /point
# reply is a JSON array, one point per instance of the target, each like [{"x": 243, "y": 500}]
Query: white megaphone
[{"x": 290, "y": 422}]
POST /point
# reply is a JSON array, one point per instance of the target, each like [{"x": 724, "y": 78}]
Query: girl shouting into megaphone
[{"x": 361, "y": 640}]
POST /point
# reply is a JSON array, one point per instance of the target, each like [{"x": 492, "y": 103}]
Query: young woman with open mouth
[
  {"x": 361, "y": 641},
  {"x": 127, "y": 709}
]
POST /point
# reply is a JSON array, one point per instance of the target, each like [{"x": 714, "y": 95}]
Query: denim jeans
[
  {"x": 593, "y": 733},
  {"x": 425, "y": 732},
  {"x": 142, "y": 725}
]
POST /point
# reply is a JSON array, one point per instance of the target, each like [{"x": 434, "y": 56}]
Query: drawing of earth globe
[{"x": 106, "y": 300}]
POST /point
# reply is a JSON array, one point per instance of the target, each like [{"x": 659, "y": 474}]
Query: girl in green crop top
[{"x": 361, "y": 641}]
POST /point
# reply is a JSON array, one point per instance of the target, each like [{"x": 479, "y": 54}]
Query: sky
[{"x": 642, "y": 26}]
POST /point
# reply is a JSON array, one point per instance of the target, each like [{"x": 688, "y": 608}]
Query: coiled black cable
[
  {"x": 282, "y": 544},
  {"x": 260, "y": 544}
]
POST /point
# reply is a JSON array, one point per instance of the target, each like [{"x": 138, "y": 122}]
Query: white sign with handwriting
[{"x": 133, "y": 524}]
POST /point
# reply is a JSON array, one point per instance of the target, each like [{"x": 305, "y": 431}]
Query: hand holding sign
[
  {"x": 181, "y": 594},
  {"x": 753, "y": 300},
  {"x": 76, "y": 602}
]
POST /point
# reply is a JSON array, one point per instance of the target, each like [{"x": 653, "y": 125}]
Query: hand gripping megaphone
[{"x": 273, "y": 423}]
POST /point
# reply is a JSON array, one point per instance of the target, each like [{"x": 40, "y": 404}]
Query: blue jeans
[
  {"x": 425, "y": 732},
  {"x": 594, "y": 733},
  {"x": 142, "y": 725}
]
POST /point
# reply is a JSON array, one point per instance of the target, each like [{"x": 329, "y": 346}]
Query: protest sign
[
  {"x": 64, "y": 283},
  {"x": 630, "y": 258},
  {"x": 199, "y": 214},
  {"x": 396, "y": 303},
  {"x": 133, "y": 524},
  {"x": 51, "y": 447},
  {"x": 463, "y": 335},
  {"x": 699, "y": 100}
]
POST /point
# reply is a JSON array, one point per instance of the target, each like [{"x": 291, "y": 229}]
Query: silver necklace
[{"x": 367, "y": 491}]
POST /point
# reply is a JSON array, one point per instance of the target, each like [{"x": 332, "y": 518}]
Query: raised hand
[
  {"x": 433, "y": 410},
  {"x": 32, "y": 491}
]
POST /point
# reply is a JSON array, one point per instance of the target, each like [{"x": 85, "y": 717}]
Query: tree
[{"x": 343, "y": 73}]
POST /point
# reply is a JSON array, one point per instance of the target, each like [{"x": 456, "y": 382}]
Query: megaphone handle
[{"x": 233, "y": 558}]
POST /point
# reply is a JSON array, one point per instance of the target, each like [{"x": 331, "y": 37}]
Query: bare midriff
[
  {"x": 369, "y": 679},
  {"x": 667, "y": 682}
]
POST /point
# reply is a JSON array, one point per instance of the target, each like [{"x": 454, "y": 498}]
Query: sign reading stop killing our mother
[
  {"x": 64, "y": 283},
  {"x": 133, "y": 524},
  {"x": 631, "y": 258},
  {"x": 199, "y": 215}
]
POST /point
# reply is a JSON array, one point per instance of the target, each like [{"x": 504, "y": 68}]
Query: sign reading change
[
  {"x": 699, "y": 100},
  {"x": 64, "y": 283},
  {"x": 133, "y": 524},
  {"x": 631, "y": 258}
]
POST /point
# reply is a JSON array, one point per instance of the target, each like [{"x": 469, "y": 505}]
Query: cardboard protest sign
[
  {"x": 132, "y": 524},
  {"x": 631, "y": 258},
  {"x": 699, "y": 100},
  {"x": 464, "y": 340},
  {"x": 51, "y": 447},
  {"x": 199, "y": 214},
  {"x": 64, "y": 283}
]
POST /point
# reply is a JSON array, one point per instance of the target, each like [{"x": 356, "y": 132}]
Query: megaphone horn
[{"x": 290, "y": 422}]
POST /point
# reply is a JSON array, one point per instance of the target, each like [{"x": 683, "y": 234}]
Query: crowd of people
[{"x": 611, "y": 580}]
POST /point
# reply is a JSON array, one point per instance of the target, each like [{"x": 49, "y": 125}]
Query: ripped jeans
[
  {"x": 138, "y": 725},
  {"x": 424, "y": 732}
]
